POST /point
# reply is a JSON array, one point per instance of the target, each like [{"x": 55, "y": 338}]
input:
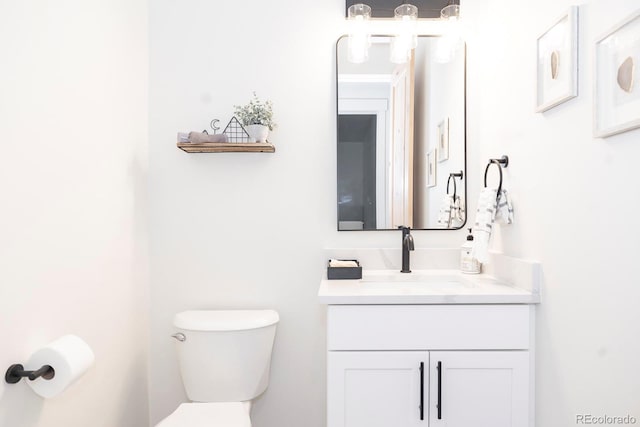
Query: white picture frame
[
  {"x": 557, "y": 62},
  {"x": 443, "y": 140},
  {"x": 617, "y": 75},
  {"x": 432, "y": 168}
]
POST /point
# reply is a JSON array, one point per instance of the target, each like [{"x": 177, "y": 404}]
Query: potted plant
[{"x": 257, "y": 118}]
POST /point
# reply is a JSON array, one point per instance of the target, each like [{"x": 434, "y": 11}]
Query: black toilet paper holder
[{"x": 16, "y": 372}]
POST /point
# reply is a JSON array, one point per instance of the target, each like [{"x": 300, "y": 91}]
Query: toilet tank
[{"x": 226, "y": 354}]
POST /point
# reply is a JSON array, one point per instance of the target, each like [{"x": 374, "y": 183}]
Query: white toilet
[{"x": 224, "y": 361}]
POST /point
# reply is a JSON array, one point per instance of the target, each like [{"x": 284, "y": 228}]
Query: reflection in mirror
[{"x": 401, "y": 136}]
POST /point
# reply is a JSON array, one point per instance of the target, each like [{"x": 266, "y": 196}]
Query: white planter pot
[{"x": 258, "y": 132}]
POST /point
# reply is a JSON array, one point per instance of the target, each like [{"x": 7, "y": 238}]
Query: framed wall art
[
  {"x": 557, "y": 62},
  {"x": 617, "y": 94},
  {"x": 443, "y": 140},
  {"x": 431, "y": 168}
]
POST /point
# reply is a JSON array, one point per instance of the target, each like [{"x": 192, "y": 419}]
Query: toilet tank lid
[{"x": 225, "y": 320}]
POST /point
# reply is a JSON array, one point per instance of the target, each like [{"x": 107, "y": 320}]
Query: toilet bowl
[
  {"x": 228, "y": 414},
  {"x": 225, "y": 358}
]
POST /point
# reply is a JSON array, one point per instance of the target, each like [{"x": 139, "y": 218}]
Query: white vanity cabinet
[
  {"x": 376, "y": 388},
  {"x": 479, "y": 388},
  {"x": 430, "y": 365}
]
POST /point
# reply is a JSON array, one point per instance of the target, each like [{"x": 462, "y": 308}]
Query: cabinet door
[
  {"x": 479, "y": 388},
  {"x": 377, "y": 388}
]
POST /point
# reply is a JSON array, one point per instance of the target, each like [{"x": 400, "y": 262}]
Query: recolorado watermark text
[{"x": 589, "y": 419}]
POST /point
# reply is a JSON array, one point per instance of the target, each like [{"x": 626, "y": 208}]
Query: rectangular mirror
[{"x": 402, "y": 137}]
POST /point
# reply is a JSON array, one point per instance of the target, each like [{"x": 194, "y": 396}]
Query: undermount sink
[
  {"x": 418, "y": 281},
  {"x": 422, "y": 287},
  {"x": 414, "y": 277}
]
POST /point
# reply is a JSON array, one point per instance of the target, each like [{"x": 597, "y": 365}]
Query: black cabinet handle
[
  {"x": 421, "y": 391},
  {"x": 439, "y": 406}
]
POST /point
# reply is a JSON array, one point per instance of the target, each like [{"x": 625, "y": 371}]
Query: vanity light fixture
[
  {"x": 405, "y": 29},
  {"x": 406, "y": 39},
  {"x": 359, "y": 37}
]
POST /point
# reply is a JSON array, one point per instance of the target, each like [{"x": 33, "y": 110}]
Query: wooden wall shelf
[{"x": 227, "y": 147}]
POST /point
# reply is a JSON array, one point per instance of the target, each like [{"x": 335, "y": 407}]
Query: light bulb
[
  {"x": 406, "y": 39},
  {"x": 359, "y": 37},
  {"x": 451, "y": 39}
]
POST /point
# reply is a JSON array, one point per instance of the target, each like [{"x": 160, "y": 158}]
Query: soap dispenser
[{"x": 468, "y": 263}]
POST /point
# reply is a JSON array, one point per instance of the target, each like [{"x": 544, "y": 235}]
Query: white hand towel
[
  {"x": 489, "y": 209},
  {"x": 444, "y": 214},
  {"x": 203, "y": 138},
  {"x": 451, "y": 212},
  {"x": 505, "y": 209},
  {"x": 457, "y": 212},
  {"x": 485, "y": 215}
]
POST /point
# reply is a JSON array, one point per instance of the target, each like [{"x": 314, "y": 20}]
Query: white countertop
[{"x": 423, "y": 287}]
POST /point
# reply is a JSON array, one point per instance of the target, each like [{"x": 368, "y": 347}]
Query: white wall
[
  {"x": 247, "y": 230},
  {"x": 243, "y": 230},
  {"x": 575, "y": 202},
  {"x": 72, "y": 254}
]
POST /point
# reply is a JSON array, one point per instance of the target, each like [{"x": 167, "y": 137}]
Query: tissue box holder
[{"x": 345, "y": 273}]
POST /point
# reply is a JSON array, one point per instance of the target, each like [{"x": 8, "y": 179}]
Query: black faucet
[{"x": 407, "y": 245}]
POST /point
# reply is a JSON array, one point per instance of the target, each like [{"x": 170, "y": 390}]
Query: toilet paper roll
[{"x": 69, "y": 356}]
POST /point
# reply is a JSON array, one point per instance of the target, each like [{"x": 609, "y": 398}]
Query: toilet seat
[{"x": 217, "y": 414}]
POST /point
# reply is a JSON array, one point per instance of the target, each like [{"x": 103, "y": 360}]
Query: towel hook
[
  {"x": 502, "y": 162},
  {"x": 454, "y": 175}
]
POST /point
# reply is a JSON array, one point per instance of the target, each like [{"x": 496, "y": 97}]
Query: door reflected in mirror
[{"x": 401, "y": 138}]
